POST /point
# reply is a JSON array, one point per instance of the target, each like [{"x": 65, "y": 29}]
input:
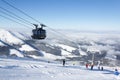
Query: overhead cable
[{"x": 13, "y": 20}]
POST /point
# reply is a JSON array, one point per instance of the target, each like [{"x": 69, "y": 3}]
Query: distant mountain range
[{"x": 71, "y": 45}]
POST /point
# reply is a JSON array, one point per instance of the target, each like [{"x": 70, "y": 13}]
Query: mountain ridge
[{"x": 103, "y": 46}]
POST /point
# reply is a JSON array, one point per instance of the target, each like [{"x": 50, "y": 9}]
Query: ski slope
[{"x": 18, "y": 69}]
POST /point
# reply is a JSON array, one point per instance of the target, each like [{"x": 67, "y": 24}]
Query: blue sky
[{"x": 85, "y": 15}]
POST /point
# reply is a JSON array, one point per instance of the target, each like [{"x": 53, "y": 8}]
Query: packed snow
[
  {"x": 15, "y": 52},
  {"x": 18, "y": 69},
  {"x": 26, "y": 48},
  {"x": 68, "y": 48},
  {"x": 65, "y": 53},
  {"x": 6, "y": 36},
  {"x": 51, "y": 56}
]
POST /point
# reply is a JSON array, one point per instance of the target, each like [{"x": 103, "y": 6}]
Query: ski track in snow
[{"x": 13, "y": 69}]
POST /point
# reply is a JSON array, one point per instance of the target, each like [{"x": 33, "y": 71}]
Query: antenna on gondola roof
[
  {"x": 36, "y": 25},
  {"x": 43, "y": 25}
]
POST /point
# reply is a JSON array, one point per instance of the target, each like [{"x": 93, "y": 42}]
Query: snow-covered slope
[
  {"x": 15, "y": 43},
  {"x": 11, "y": 69},
  {"x": 79, "y": 44},
  {"x": 6, "y": 36},
  {"x": 15, "y": 52},
  {"x": 18, "y": 45},
  {"x": 106, "y": 48},
  {"x": 66, "y": 47},
  {"x": 26, "y": 48},
  {"x": 105, "y": 45}
]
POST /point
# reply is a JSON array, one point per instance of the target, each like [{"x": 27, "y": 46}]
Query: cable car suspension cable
[
  {"x": 13, "y": 20},
  {"x": 66, "y": 37},
  {"x": 15, "y": 15},
  {"x": 20, "y": 11}
]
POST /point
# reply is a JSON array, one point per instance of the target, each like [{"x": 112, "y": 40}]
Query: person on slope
[
  {"x": 92, "y": 65},
  {"x": 63, "y": 62},
  {"x": 116, "y": 72},
  {"x": 87, "y": 65}
]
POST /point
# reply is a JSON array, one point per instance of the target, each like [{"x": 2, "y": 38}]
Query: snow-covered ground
[
  {"x": 68, "y": 48},
  {"x": 18, "y": 69},
  {"x": 26, "y": 69},
  {"x": 6, "y": 36}
]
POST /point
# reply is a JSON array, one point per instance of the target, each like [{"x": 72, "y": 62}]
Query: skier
[
  {"x": 63, "y": 62},
  {"x": 92, "y": 65},
  {"x": 86, "y": 66},
  {"x": 102, "y": 68},
  {"x": 98, "y": 67},
  {"x": 116, "y": 72}
]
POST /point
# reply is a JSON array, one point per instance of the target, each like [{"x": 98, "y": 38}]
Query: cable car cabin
[{"x": 39, "y": 33}]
